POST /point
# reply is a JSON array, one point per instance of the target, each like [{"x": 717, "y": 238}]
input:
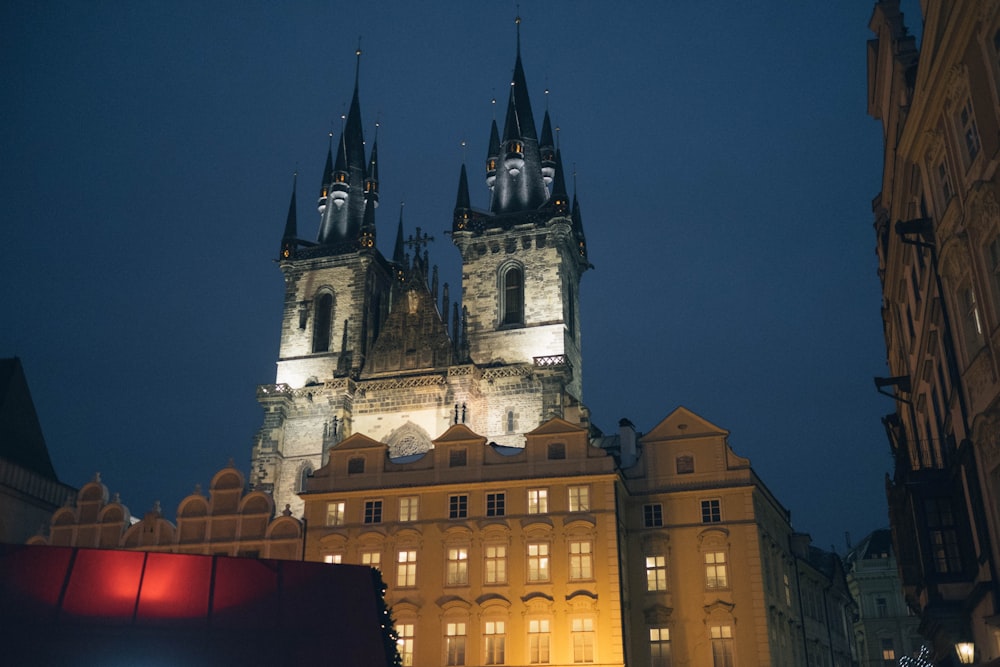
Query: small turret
[
  {"x": 339, "y": 186},
  {"x": 463, "y": 209},
  {"x": 289, "y": 240},
  {"x": 371, "y": 179},
  {"x": 547, "y": 150},
  {"x": 324, "y": 189},
  {"x": 560, "y": 200},
  {"x": 494, "y": 155},
  {"x": 366, "y": 238}
]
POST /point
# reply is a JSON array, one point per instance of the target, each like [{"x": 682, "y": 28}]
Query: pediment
[
  {"x": 556, "y": 426},
  {"x": 357, "y": 441},
  {"x": 682, "y": 423},
  {"x": 459, "y": 434}
]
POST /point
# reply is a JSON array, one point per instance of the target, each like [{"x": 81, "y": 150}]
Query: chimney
[{"x": 626, "y": 436}]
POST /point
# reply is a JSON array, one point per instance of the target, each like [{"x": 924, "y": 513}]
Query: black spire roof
[{"x": 344, "y": 216}]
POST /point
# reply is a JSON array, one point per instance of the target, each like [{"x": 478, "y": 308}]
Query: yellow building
[{"x": 554, "y": 553}]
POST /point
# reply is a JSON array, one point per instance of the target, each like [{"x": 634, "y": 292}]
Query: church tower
[
  {"x": 337, "y": 293},
  {"x": 522, "y": 259}
]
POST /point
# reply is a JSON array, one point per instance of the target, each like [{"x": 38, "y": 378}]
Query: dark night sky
[{"x": 726, "y": 168}]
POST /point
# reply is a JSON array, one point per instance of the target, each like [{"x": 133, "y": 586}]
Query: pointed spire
[
  {"x": 398, "y": 253},
  {"x": 324, "y": 188},
  {"x": 560, "y": 200},
  {"x": 366, "y": 239},
  {"x": 288, "y": 239},
  {"x": 371, "y": 179},
  {"x": 462, "y": 200},
  {"x": 463, "y": 207},
  {"x": 547, "y": 149},
  {"x": 493, "y": 156},
  {"x": 581, "y": 240}
]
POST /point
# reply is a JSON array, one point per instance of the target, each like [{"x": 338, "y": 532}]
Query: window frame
[
  {"x": 338, "y": 516},
  {"x": 373, "y": 512},
  {"x": 458, "y": 506},
  {"x": 539, "y": 564},
  {"x": 538, "y": 500},
  {"x": 581, "y": 501},
  {"x": 510, "y": 312},
  {"x": 652, "y": 515}
]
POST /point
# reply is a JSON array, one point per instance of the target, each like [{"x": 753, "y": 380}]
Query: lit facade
[{"x": 937, "y": 222}]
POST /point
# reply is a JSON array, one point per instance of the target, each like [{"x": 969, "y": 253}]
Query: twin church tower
[{"x": 368, "y": 345}]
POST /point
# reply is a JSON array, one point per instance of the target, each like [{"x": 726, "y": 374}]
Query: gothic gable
[{"x": 414, "y": 336}]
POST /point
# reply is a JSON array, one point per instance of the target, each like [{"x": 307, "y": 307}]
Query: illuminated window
[
  {"x": 538, "y": 641},
  {"x": 722, "y": 645},
  {"x": 652, "y": 515},
  {"x": 538, "y": 561},
  {"x": 715, "y": 570},
  {"x": 583, "y": 640},
  {"x": 711, "y": 511},
  {"x": 373, "y": 511},
  {"x": 333, "y": 558},
  {"x": 457, "y": 573},
  {"x": 372, "y": 559},
  {"x": 659, "y": 647},
  {"x": 408, "y": 508},
  {"x": 322, "y": 322},
  {"x": 511, "y": 296},
  {"x": 335, "y": 513},
  {"x": 458, "y": 506},
  {"x": 406, "y": 569},
  {"x": 581, "y": 559},
  {"x": 579, "y": 499},
  {"x": 656, "y": 573},
  {"x": 685, "y": 464},
  {"x": 496, "y": 503},
  {"x": 496, "y": 564},
  {"x": 538, "y": 501},
  {"x": 888, "y": 652},
  {"x": 455, "y": 643},
  {"x": 494, "y": 634},
  {"x": 404, "y": 643}
]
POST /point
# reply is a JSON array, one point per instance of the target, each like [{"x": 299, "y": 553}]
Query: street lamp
[{"x": 966, "y": 652}]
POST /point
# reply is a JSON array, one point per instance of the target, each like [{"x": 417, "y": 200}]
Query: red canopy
[{"x": 89, "y": 606}]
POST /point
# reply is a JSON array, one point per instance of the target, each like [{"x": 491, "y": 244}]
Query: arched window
[
  {"x": 511, "y": 296},
  {"x": 322, "y": 322},
  {"x": 304, "y": 476}
]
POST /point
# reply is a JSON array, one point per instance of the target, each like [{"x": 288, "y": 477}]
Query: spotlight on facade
[{"x": 966, "y": 652}]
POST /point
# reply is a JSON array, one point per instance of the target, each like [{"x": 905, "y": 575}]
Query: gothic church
[{"x": 369, "y": 346}]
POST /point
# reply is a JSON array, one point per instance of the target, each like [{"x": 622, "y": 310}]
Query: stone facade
[
  {"x": 937, "y": 226},
  {"x": 367, "y": 344}
]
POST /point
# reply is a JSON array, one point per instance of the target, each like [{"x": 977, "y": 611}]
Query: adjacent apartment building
[{"x": 937, "y": 225}]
